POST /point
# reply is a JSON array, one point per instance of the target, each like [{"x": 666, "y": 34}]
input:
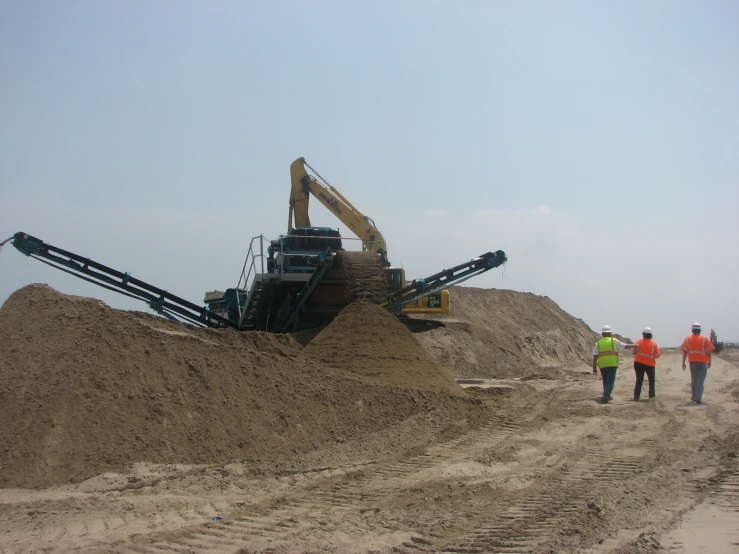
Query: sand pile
[
  {"x": 365, "y": 276},
  {"x": 353, "y": 276},
  {"x": 367, "y": 340},
  {"x": 500, "y": 333},
  {"x": 86, "y": 389}
]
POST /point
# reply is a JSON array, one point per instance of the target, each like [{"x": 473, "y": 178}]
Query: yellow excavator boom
[{"x": 305, "y": 184}]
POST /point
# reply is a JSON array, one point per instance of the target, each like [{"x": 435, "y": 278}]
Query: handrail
[
  {"x": 246, "y": 279},
  {"x": 255, "y": 264}
]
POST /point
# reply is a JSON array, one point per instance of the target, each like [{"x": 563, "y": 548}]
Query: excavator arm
[{"x": 305, "y": 184}]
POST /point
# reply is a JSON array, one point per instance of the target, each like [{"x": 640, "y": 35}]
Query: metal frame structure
[{"x": 256, "y": 289}]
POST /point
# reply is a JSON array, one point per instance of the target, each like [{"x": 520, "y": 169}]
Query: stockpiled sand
[
  {"x": 496, "y": 333},
  {"x": 85, "y": 389},
  {"x": 367, "y": 340}
]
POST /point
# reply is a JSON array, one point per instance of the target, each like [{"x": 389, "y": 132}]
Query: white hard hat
[
  {"x": 606, "y": 329},
  {"x": 647, "y": 330},
  {"x": 697, "y": 326}
]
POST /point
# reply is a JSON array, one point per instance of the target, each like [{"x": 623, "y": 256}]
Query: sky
[{"x": 596, "y": 143}]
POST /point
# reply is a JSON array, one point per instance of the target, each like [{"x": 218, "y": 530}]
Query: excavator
[
  {"x": 305, "y": 185},
  {"x": 719, "y": 346},
  {"x": 298, "y": 281}
]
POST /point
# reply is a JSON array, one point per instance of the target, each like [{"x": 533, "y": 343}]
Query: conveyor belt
[{"x": 161, "y": 301}]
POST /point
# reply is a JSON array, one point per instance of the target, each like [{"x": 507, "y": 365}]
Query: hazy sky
[{"x": 597, "y": 143}]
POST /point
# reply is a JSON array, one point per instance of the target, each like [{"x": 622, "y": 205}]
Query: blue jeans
[
  {"x": 698, "y": 372},
  {"x": 608, "y": 374}
]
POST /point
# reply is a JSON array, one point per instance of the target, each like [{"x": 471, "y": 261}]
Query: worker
[
  {"x": 605, "y": 358},
  {"x": 645, "y": 361},
  {"x": 697, "y": 349}
]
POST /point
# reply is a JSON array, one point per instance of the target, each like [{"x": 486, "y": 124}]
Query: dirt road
[{"x": 552, "y": 471}]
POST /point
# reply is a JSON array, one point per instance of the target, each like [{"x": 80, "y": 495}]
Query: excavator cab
[{"x": 395, "y": 278}]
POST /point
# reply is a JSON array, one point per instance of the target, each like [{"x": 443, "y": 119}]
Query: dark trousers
[
  {"x": 608, "y": 374},
  {"x": 640, "y": 370}
]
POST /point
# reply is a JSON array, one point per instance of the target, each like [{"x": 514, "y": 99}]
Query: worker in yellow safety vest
[
  {"x": 697, "y": 349},
  {"x": 645, "y": 361},
  {"x": 605, "y": 358}
]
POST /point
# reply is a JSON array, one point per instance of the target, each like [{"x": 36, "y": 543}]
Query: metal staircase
[{"x": 252, "y": 290}]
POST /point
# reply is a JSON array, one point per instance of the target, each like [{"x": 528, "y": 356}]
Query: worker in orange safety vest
[
  {"x": 645, "y": 361},
  {"x": 697, "y": 349}
]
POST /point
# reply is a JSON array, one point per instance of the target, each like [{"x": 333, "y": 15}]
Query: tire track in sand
[
  {"x": 305, "y": 512},
  {"x": 528, "y": 525}
]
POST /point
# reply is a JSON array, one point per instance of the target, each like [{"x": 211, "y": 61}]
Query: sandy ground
[{"x": 549, "y": 470}]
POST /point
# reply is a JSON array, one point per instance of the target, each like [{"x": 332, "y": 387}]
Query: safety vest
[
  {"x": 647, "y": 352},
  {"x": 607, "y": 352},
  {"x": 698, "y": 348}
]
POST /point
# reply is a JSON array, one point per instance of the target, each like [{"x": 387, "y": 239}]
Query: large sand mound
[
  {"x": 367, "y": 340},
  {"x": 86, "y": 389},
  {"x": 503, "y": 333}
]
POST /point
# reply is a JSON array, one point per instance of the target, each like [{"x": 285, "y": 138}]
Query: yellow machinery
[{"x": 304, "y": 185}]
